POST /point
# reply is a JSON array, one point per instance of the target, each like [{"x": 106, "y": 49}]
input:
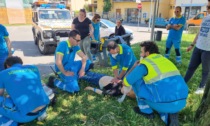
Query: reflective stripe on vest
[{"x": 158, "y": 68}]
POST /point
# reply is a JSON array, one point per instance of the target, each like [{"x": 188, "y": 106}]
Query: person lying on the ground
[
  {"x": 157, "y": 86},
  {"x": 105, "y": 85},
  {"x": 66, "y": 67},
  {"x": 26, "y": 99},
  {"x": 123, "y": 55}
]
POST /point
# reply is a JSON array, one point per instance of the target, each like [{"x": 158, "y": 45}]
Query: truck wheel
[
  {"x": 44, "y": 49},
  {"x": 35, "y": 39},
  {"x": 190, "y": 25}
]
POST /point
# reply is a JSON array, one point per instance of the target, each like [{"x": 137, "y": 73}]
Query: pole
[
  {"x": 150, "y": 18},
  {"x": 190, "y": 9},
  {"x": 138, "y": 18},
  {"x": 153, "y": 21}
]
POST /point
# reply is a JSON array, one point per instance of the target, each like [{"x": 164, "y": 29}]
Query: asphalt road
[{"x": 22, "y": 41}]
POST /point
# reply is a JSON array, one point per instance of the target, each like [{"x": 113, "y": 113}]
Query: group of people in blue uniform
[{"x": 157, "y": 86}]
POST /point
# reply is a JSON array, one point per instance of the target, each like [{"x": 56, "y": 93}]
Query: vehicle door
[{"x": 104, "y": 30}]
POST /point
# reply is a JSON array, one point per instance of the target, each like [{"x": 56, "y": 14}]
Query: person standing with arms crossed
[
  {"x": 175, "y": 27},
  {"x": 84, "y": 26}
]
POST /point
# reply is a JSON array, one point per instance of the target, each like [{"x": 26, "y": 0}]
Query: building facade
[
  {"x": 190, "y": 8},
  {"x": 15, "y": 11},
  {"x": 127, "y": 9}
]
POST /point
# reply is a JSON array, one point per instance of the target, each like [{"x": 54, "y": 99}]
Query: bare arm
[
  {"x": 98, "y": 91},
  {"x": 84, "y": 58},
  {"x": 73, "y": 27},
  {"x": 192, "y": 45},
  {"x": 91, "y": 31},
  {"x": 168, "y": 27},
  {"x": 177, "y": 27},
  {"x": 122, "y": 73},
  {"x": 8, "y": 45},
  {"x": 59, "y": 64}
]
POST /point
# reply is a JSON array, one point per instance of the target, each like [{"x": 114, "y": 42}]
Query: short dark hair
[
  {"x": 180, "y": 8},
  {"x": 74, "y": 33},
  {"x": 111, "y": 45},
  {"x": 150, "y": 46},
  {"x": 12, "y": 60},
  {"x": 96, "y": 16}
]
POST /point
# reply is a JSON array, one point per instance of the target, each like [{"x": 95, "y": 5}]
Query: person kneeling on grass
[
  {"x": 158, "y": 85},
  {"x": 104, "y": 82},
  {"x": 27, "y": 99},
  {"x": 67, "y": 69}
]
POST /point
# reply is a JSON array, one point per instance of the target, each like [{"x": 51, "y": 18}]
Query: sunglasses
[
  {"x": 76, "y": 40},
  {"x": 208, "y": 7}
]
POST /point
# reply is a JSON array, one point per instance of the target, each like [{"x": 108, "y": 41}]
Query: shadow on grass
[{"x": 88, "y": 108}]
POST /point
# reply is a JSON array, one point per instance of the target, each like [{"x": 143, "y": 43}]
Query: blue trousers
[
  {"x": 70, "y": 83},
  {"x": 92, "y": 77},
  {"x": 10, "y": 115},
  {"x": 147, "y": 106},
  {"x": 176, "y": 43}
]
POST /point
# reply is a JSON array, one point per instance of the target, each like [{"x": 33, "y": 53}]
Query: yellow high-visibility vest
[{"x": 158, "y": 68}]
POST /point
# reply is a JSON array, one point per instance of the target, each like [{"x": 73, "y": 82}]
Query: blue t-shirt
[
  {"x": 96, "y": 27},
  {"x": 3, "y": 45},
  {"x": 176, "y": 34},
  {"x": 23, "y": 85},
  {"x": 64, "y": 48},
  {"x": 125, "y": 58}
]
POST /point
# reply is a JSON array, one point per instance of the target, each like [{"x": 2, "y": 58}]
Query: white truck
[{"x": 51, "y": 24}]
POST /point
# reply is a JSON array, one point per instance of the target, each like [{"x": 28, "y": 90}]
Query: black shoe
[
  {"x": 50, "y": 82},
  {"x": 173, "y": 119},
  {"x": 148, "y": 116},
  {"x": 91, "y": 66}
]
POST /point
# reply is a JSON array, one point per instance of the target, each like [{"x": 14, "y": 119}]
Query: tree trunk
[{"x": 203, "y": 112}]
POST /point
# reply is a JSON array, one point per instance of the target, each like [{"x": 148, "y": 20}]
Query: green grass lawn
[{"x": 88, "y": 108}]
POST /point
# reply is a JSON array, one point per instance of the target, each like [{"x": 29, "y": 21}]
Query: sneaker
[
  {"x": 173, "y": 120},
  {"x": 148, "y": 116},
  {"x": 178, "y": 59},
  {"x": 50, "y": 82},
  {"x": 43, "y": 116},
  {"x": 167, "y": 56},
  {"x": 199, "y": 91}
]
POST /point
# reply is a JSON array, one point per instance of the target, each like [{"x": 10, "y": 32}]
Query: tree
[
  {"x": 203, "y": 112},
  {"x": 107, "y": 6}
]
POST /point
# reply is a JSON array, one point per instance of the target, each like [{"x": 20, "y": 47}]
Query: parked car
[
  {"x": 90, "y": 15},
  {"x": 161, "y": 22},
  {"x": 197, "y": 20},
  {"x": 108, "y": 28}
]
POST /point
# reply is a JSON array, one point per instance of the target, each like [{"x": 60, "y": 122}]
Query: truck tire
[
  {"x": 43, "y": 48},
  {"x": 34, "y": 36},
  {"x": 190, "y": 25},
  {"x": 35, "y": 39}
]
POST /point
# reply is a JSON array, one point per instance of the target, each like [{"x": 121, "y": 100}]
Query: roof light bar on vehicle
[{"x": 59, "y": 6}]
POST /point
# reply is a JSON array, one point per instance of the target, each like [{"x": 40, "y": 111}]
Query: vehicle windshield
[
  {"x": 108, "y": 23},
  {"x": 54, "y": 14}
]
